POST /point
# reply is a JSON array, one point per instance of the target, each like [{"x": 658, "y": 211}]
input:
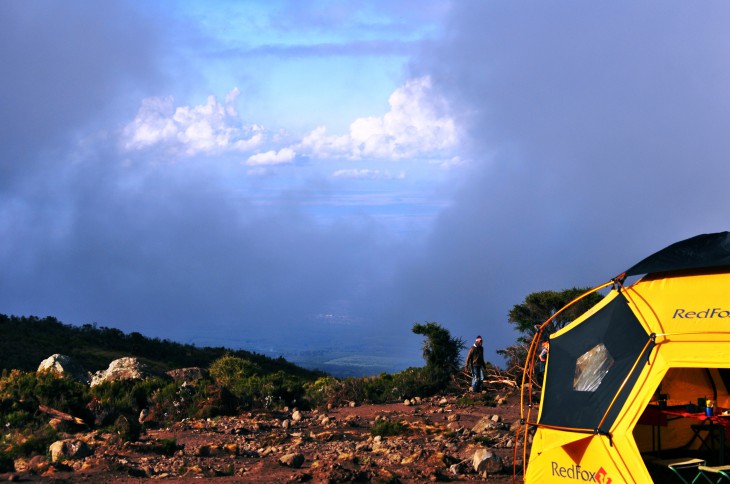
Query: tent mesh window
[
  {"x": 602, "y": 349},
  {"x": 591, "y": 367}
]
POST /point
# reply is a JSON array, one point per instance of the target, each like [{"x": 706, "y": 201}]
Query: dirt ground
[{"x": 434, "y": 440}]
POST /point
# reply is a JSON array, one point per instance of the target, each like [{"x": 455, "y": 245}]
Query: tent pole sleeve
[{"x": 623, "y": 383}]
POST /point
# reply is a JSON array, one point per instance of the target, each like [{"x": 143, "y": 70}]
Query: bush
[
  {"x": 441, "y": 352},
  {"x": 386, "y": 428},
  {"x": 128, "y": 428},
  {"x": 230, "y": 371},
  {"x": 280, "y": 389},
  {"x": 213, "y": 401},
  {"x": 470, "y": 399},
  {"x": 418, "y": 382},
  {"x": 26, "y": 443},
  {"x": 167, "y": 447},
  {"x": 322, "y": 391},
  {"x": 113, "y": 399},
  {"x": 246, "y": 381},
  {"x": 22, "y": 392}
]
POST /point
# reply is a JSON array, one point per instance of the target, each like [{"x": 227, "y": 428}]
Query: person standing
[
  {"x": 543, "y": 356},
  {"x": 475, "y": 364}
]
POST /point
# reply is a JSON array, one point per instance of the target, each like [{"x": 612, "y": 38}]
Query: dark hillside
[{"x": 26, "y": 341}]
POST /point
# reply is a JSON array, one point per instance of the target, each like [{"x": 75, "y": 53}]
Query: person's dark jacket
[{"x": 475, "y": 356}]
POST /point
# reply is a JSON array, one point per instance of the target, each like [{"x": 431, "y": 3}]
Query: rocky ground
[{"x": 451, "y": 438}]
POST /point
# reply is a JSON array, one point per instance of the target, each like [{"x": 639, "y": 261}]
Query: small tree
[
  {"x": 537, "y": 308},
  {"x": 440, "y": 351}
]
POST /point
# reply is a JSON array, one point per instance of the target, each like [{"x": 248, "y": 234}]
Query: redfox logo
[
  {"x": 709, "y": 313},
  {"x": 577, "y": 473},
  {"x": 601, "y": 475}
]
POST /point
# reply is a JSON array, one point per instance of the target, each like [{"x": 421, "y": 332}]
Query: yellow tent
[{"x": 625, "y": 383}]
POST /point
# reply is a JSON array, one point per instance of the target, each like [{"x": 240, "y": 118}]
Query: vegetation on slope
[{"x": 26, "y": 341}]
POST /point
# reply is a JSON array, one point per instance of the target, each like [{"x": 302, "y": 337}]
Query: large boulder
[
  {"x": 486, "y": 462},
  {"x": 62, "y": 365},
  {"x": 121, "y": 369},
  {"x": 69, "y": 449}
]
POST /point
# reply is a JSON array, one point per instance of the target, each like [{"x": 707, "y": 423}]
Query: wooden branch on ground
[
  {"x": 61, "y": 415},
  {"x": 498, "y": 378}
]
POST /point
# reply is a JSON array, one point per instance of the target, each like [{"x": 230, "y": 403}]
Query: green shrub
[
  {"x": 383, "y": 388},
  {"x": 167, "y": 447},
  {"x": 483, "y": 440},
  {"x": 485, "y": 399},
  {"x": 230, "y": 370},
  {"x": 254, "y": 389},
  {"x": 123, "y": 398},
  {"x": 38, "y": 442},
  {"x": 280, "y": 389},
  {"x": 22, "y": 392},
  {"x": 322, "y": 391},
  {"x": 27, "y": 442},
  {"x": 385, "y": 428},
  {"x": 213, "y": 401},
  {"x": 128, "y": 428},
  {"x": 417, "y": 382}
]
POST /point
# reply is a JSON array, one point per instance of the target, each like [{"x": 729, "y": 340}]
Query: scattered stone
[
  {"x": 457, "y": 468},
  {"x": 363, "y": 447},
  {"x": 260, "y": 446},
  {"x": 486, "y": 462},
  {"x": 201, "y": 450},
  {"x": 484, "y": 424},
  {"x": 294, "y": 460},
  {"x": 455, "y": 426},
  {"x": 69, "y": 449}
]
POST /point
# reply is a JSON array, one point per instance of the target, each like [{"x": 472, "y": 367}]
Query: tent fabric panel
[
  {"x": 685, "y": 302},
  {"x": 706, "y": 250},
  {"x": 616, "y": 327},
  {"x": 561, "y": 457}
]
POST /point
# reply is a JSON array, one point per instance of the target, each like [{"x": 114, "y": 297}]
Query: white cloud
[
  {"x": 366, "y": 174},
  {"x": 284, "y": 155},
  {"x": 417, "y": 124},
  {"x": 211, "y": 128}
]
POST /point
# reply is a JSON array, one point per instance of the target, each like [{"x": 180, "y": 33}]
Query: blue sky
[{"x": 307, "y": 175}]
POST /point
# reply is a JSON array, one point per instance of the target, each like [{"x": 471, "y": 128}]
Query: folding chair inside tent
[
  {"x": 680, "y": 466},
  {"x": 720, "y": 473}
]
